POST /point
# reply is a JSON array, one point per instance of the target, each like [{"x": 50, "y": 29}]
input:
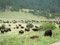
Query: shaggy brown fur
[
  {"x": 33, "y": 37},
  {"x": 48, "y": 33}
]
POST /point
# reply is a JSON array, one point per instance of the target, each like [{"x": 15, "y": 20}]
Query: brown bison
[
  {"x": 2, "y": 31},
  {"x": 48, "y": 33},
  {"x": 9, "y": 25},
  {"x": 39, "y": 27},
  {"x": 33, "y": 37},
  {"x": 0, "y": 28},
  {"x": 21, "y": 32},
  {"x": 7, "y": 29},
  {"x": 17, "y": 27},
  {"x": 22, "y": 27},
  {"x": 27, "y": 29},
  {"x": 19, "y": 24},
  {"x": 36, "y": 28}
]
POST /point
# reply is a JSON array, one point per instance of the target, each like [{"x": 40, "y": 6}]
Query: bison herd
[
  {"x": 5, "y": 30},
  {"x": 29, "y": 21},
  {"x": 35, "y": 28}
]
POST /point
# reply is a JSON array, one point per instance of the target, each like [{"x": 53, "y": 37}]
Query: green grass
[
  {"x": 24, "y": 39},
  {"x": 14, "y": 38},
  {"x": 20, "y": 16}
]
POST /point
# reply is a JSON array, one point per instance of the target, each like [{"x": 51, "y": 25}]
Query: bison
[
  {"x": 27, "y": 29},
  {"x": 7, "y": 29},
  {"x": 9, "y": 25},
  {"x": 19, "y": 24},
  {"x": 0, "y": 28},
  {"x": 35, "y": 29},
  {"x": 48, "y": 33},
  {"x": 17, "y": 27},
  {"x": 33, "y": 37},
  {"x": 2, "y": 31},
  {"x": 21, "y": 32},
  {"x": 22, "y": 27}
]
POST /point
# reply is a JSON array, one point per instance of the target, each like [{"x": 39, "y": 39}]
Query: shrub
[
  {"x": 3, "y": 26},
  {"x": 30, "y": 25},
  {"x": 48, "y": 26}
]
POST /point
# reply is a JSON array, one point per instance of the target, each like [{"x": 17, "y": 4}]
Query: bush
[
  {"x": 3, "y": 26},
  {"x": 30, "y": 25},
  {"x": 48, "y": 26}
]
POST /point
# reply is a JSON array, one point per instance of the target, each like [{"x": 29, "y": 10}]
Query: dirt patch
[{"x": 57, "y": 43}]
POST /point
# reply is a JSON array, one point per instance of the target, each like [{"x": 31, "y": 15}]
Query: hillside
[
  {"x": 8, "y": 15},
  {"x": 45, "y": 7},
  {"x": 31, "y": 4}
]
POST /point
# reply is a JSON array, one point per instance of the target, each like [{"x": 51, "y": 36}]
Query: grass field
[
  {"x": 14, "y": 38},
  {"x": 20, "y": 16}
]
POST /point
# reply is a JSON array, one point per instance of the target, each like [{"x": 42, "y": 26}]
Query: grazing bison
[
  {"x": 22, "y": 27},
  {"x": 35, "y": 29},
  {"x": 0, "y": 28},
  {"x": 33, "y": 37},
  {"x": 2, "y": 31},
  {"x": 27, "y": 29},
  {"x": 9, "y": 25},
  {"x": 19, "y": 24},
  {"x": 21, "y": 32},
  {"x": 40, "y": 27},
  {"x": 48, "y": 33},
  {"x": 36, "y": 26},
  {"x": 17, "y": 27},
  {"x": 7, "y": 29}
]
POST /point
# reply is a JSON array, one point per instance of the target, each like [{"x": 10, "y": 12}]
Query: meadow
[
  {"x": 14, "y": 38},
  {"x": 8, "y": 15}
]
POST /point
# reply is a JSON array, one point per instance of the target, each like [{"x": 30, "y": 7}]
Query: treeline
[
  {"x": 15, "y": 5},
  {"x": 46, "y": 7}
]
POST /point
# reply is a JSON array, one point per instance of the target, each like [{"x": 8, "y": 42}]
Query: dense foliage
[
  {"x": 48, "y": 26},
  {"x": 29, "y": 25},
  {"x": 3, "y": 26},
  {"x": 52, "y": 5}
]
